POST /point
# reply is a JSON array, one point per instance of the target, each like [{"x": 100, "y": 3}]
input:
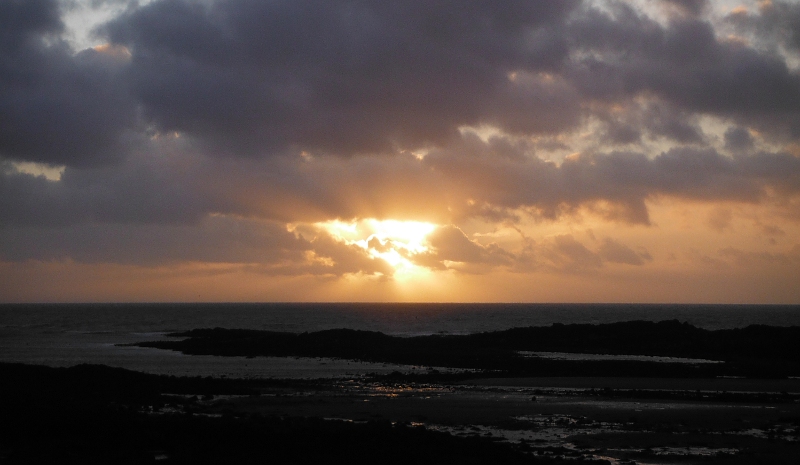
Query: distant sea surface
[{"x": 70, "y": 334}]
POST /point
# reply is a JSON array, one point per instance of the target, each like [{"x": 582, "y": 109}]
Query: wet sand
[
  {"x": 744, "y": 409},
  {"x": 604, "y": 420},
  {"x": 561, "y": 417}
]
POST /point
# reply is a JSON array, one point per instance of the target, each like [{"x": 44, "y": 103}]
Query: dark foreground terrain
[
  {"x": 507, "y": 403},
  {"x": 96, "y": 414}
]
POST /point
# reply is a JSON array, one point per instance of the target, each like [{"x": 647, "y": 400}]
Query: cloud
[
  {"x": 738, "y": 139},
  {"x": 720, "y": 219},
  {"x": 776, "y": 21},
  {"x": 626, "y": 54},
  {"x": 470, "y": 179},
  {"x": 257, "y": 78},
  {"x": 58, "y": 107},
  {"x": 688, "y": 7},
  {"x": 215, "y": 239},
  {"x": 264, "y": 247},
  {"x": 342, "y": 77},
  {"x": 639, "y": 122},
  {"x": 450, "y": 244},
  {"x": 23, "y": 21},
  {"x": 566, "y": 253},
  {"x": 743, "y": 258},
  {"x": 200, "y": 130},
  {"x": 615, "y": 184},
  {"x": 615, "y": 252},
  {"x": 138, "y": 191}
]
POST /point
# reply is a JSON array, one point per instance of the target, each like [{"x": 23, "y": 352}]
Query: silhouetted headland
[{"x": 754, "y": 351}]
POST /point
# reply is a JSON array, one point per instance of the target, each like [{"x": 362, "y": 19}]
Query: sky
[{"x": 424, "y": 150}]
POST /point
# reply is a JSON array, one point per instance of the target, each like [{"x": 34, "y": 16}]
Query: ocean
[{"x": 70, "y": 334}]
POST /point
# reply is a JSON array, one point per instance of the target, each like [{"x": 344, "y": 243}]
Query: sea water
[{"x": 70, "y": 334}]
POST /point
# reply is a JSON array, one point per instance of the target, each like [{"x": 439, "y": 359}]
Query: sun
[{"x": 393, "y": 241}]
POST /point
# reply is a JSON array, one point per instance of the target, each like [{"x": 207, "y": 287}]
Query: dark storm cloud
[
  {"x": 135, "y": 192},
  {"x": 346, "y": 76},
  {"x": 774, "y": 21},
  {"x": 57, "y": 107},
  {"x": 22, "y": 20},
  {"x": 624, "y": 54},
  {"x": 633, "y": 123},
  {"x": 690, "y": 7},
  {"x": 738, "y": 139},
  {"x": 216, "y": 239}
]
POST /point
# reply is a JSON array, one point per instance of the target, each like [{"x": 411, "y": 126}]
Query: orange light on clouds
[
  {"x": 393, "y": 241},
  {"x": 118, "y": 52}
]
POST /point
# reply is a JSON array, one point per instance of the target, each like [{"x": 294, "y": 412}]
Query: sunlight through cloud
[{"x": 393, "y": 241}]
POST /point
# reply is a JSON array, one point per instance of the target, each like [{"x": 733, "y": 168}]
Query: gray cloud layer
[
  {"x": 58, "y": 107},
  {"x": 468, "y": 179},
  {"x": 344, "y": 77},
  {"x": 356, "y": 86}
]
